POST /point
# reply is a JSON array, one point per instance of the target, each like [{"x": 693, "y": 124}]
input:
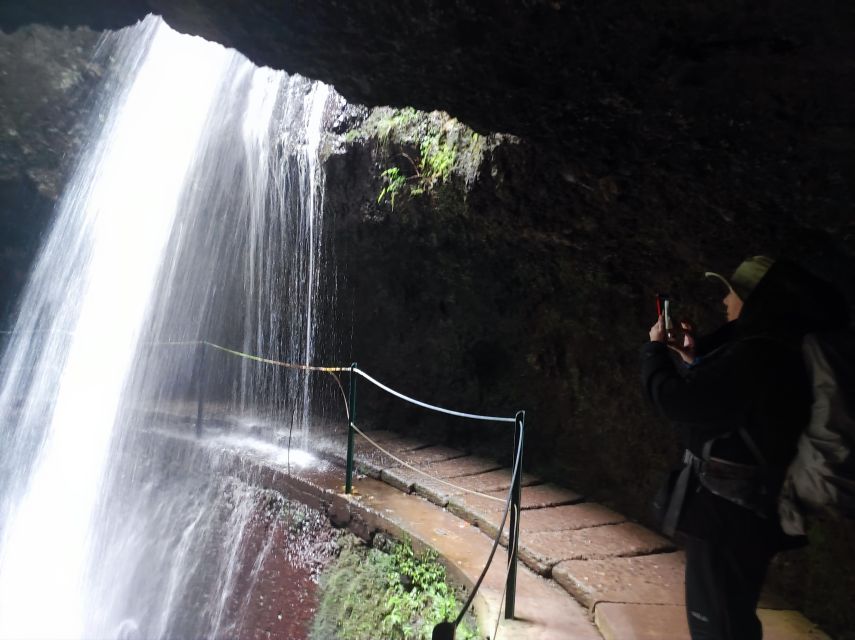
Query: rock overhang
[{"x": 599, "y": 78}]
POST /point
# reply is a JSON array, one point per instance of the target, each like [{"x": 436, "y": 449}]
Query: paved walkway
[
  {"x": 586, "y": 572},
  {"x": 627, "y": 579}
]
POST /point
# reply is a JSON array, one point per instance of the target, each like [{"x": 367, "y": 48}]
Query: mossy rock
[{"x": 385, "y": 591}]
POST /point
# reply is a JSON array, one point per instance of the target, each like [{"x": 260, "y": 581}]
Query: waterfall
[{"x": 193, "y": 215}]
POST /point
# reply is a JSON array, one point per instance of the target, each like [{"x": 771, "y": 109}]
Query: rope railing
[
  {"x": 425, "y": 405},
  {"x": 249, "y": 356},
  {"x": 444, "y": 630}
]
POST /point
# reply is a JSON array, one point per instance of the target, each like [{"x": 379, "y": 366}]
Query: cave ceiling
[
  {"x": 599, "y": 78},
  {"x": 748, "y": 105}
]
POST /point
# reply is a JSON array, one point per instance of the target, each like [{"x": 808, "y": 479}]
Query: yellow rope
[
  {"x": 249, "y": 356},
  {"x": 279, "y": 363}
]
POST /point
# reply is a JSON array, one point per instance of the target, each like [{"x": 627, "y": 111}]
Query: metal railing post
[
  {"x": 351, "y": 421},
  {"x": 514, "y": 527},
  {"x": 200, "y": 386}
]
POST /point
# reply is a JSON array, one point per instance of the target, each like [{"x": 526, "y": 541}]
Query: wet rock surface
[
  {"x": 545, "y": 550},
  {"x": 665, "y": 622},
  {"x": 281, "y": 598},
  {"x": 534, "y": 290},
  {"x": 615, "y": 81},
  {"x": 46, "y": 79}
]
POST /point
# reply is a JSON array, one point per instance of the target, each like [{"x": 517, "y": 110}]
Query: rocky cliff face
[
  {"x": 648, "y": 145},
  {"x": 750, "y": 103},
  {"x": 528, "y": 283},
  {"x": 46, "y": 79}
]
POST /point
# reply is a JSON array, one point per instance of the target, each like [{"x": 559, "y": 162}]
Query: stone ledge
[
  {"x": 488, "y": 483},
  {"x": 406, "y": 479},
  {"x": 537, "y": 496},
  {"x": 626, "y": 574},
  {"x": 653, "y": 579},
  {"x": 621, "y": 621},
  {"x": 552, "y": 519},
  {"x": 542, "y": 551}
]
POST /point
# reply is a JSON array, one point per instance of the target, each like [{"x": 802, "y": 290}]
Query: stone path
[{"x": 627, "y": 579}]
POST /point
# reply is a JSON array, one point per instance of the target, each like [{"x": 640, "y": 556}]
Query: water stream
[{"x": 193, "y": 215}]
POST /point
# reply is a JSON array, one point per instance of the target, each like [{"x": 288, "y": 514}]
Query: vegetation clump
[
  {"x": 423, "y": 149},
  {"x": 369, "y": 594}
]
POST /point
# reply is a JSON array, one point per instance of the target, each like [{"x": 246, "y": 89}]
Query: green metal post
[
  {"x": 514, "y": 528},
  {"x": 200, "y": 386},
  {"x": 351, "y": 421}
]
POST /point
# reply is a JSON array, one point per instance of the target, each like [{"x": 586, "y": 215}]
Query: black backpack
[{"x": 821, "y": 477}]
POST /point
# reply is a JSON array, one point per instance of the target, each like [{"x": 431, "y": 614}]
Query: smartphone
[{"x": 663, "y": 308}]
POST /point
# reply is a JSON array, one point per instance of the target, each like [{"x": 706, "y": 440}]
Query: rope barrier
[
  {"x": 249, "y": 356},
  {"x": 427, "y": 475},
  {"x": 433, "y": 407},
  {"x": 517, "y": 462},
  {"x": 355, "y": 370},
  {"x": 499, "y": 613},
  {"x": 514, "y": 475},
  {"x": 374, "y": 381},
  {"x": 510, "y": 502}
]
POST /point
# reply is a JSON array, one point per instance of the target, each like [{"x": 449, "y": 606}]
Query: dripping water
[{"x": 193, "y": 215}]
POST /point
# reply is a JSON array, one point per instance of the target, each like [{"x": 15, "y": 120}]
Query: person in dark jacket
[{"x": 738, "y": 401}]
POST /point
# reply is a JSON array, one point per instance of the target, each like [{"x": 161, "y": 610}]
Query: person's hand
[
  {"x": 657, "y": 331},
  {"x": 687, "y": 349}
]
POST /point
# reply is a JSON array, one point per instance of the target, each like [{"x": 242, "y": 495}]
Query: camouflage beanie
[
  {"x": 749, "y": 274},
  {"x": 746, "y": 276}
]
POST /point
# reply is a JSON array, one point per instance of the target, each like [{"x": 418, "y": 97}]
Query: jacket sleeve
[{"x": 709, "y": 398}]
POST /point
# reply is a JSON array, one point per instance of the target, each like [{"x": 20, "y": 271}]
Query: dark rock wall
[
  {"x": 533, "y": 288},
  {"x": 715, "y": 90},
  {"x": 46, "y": 79}
]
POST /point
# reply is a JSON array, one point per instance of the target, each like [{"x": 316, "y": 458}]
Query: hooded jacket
[{"x": 749, "y": 375}]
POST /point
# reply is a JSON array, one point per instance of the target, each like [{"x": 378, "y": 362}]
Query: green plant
[
  {"x": 395, "y": 596},
  {"x": 418, "y": 596},
  {"x": 352, "y": 135},
  {"x": 394, "y": 181},
  {"x": 396, "y": 120},
  {"x": 427, "y": 149},
  {"x": 437, "y": 159}
]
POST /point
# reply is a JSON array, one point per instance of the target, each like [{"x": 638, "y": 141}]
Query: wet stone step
[
  {"x": 374, "y": 463},
  {"x": 382, "y": 435},
  {"x": 369, "y": 460},
  {"x": 619, "y": 621},
  {"x": 563, "y": 518},
  {"x": 653, "y": 579},
  {"x": 471, "y": 507},
  {"x": 492, "y": 481},
  {"x": 573, "y": 516},
  {"x": 395, "y": 446},
  {"x": 366, "y": 454},
  {"x": 542, "y": 551},
  {"x": 405, "y": 479}
]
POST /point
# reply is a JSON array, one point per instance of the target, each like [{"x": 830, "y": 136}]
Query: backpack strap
[
  {"x": 746, "y": 439},
  {"x": 752, "y": 446},
  {"x": 678, "y": 493}
]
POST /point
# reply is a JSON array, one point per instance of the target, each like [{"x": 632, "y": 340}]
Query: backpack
[{"x": 821, "y": 477}]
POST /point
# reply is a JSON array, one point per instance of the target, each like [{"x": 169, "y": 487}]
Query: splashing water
[{"x": 193, "y": 215}]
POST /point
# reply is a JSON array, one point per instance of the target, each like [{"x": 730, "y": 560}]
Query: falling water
[{"x": 192, "y": 216}]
